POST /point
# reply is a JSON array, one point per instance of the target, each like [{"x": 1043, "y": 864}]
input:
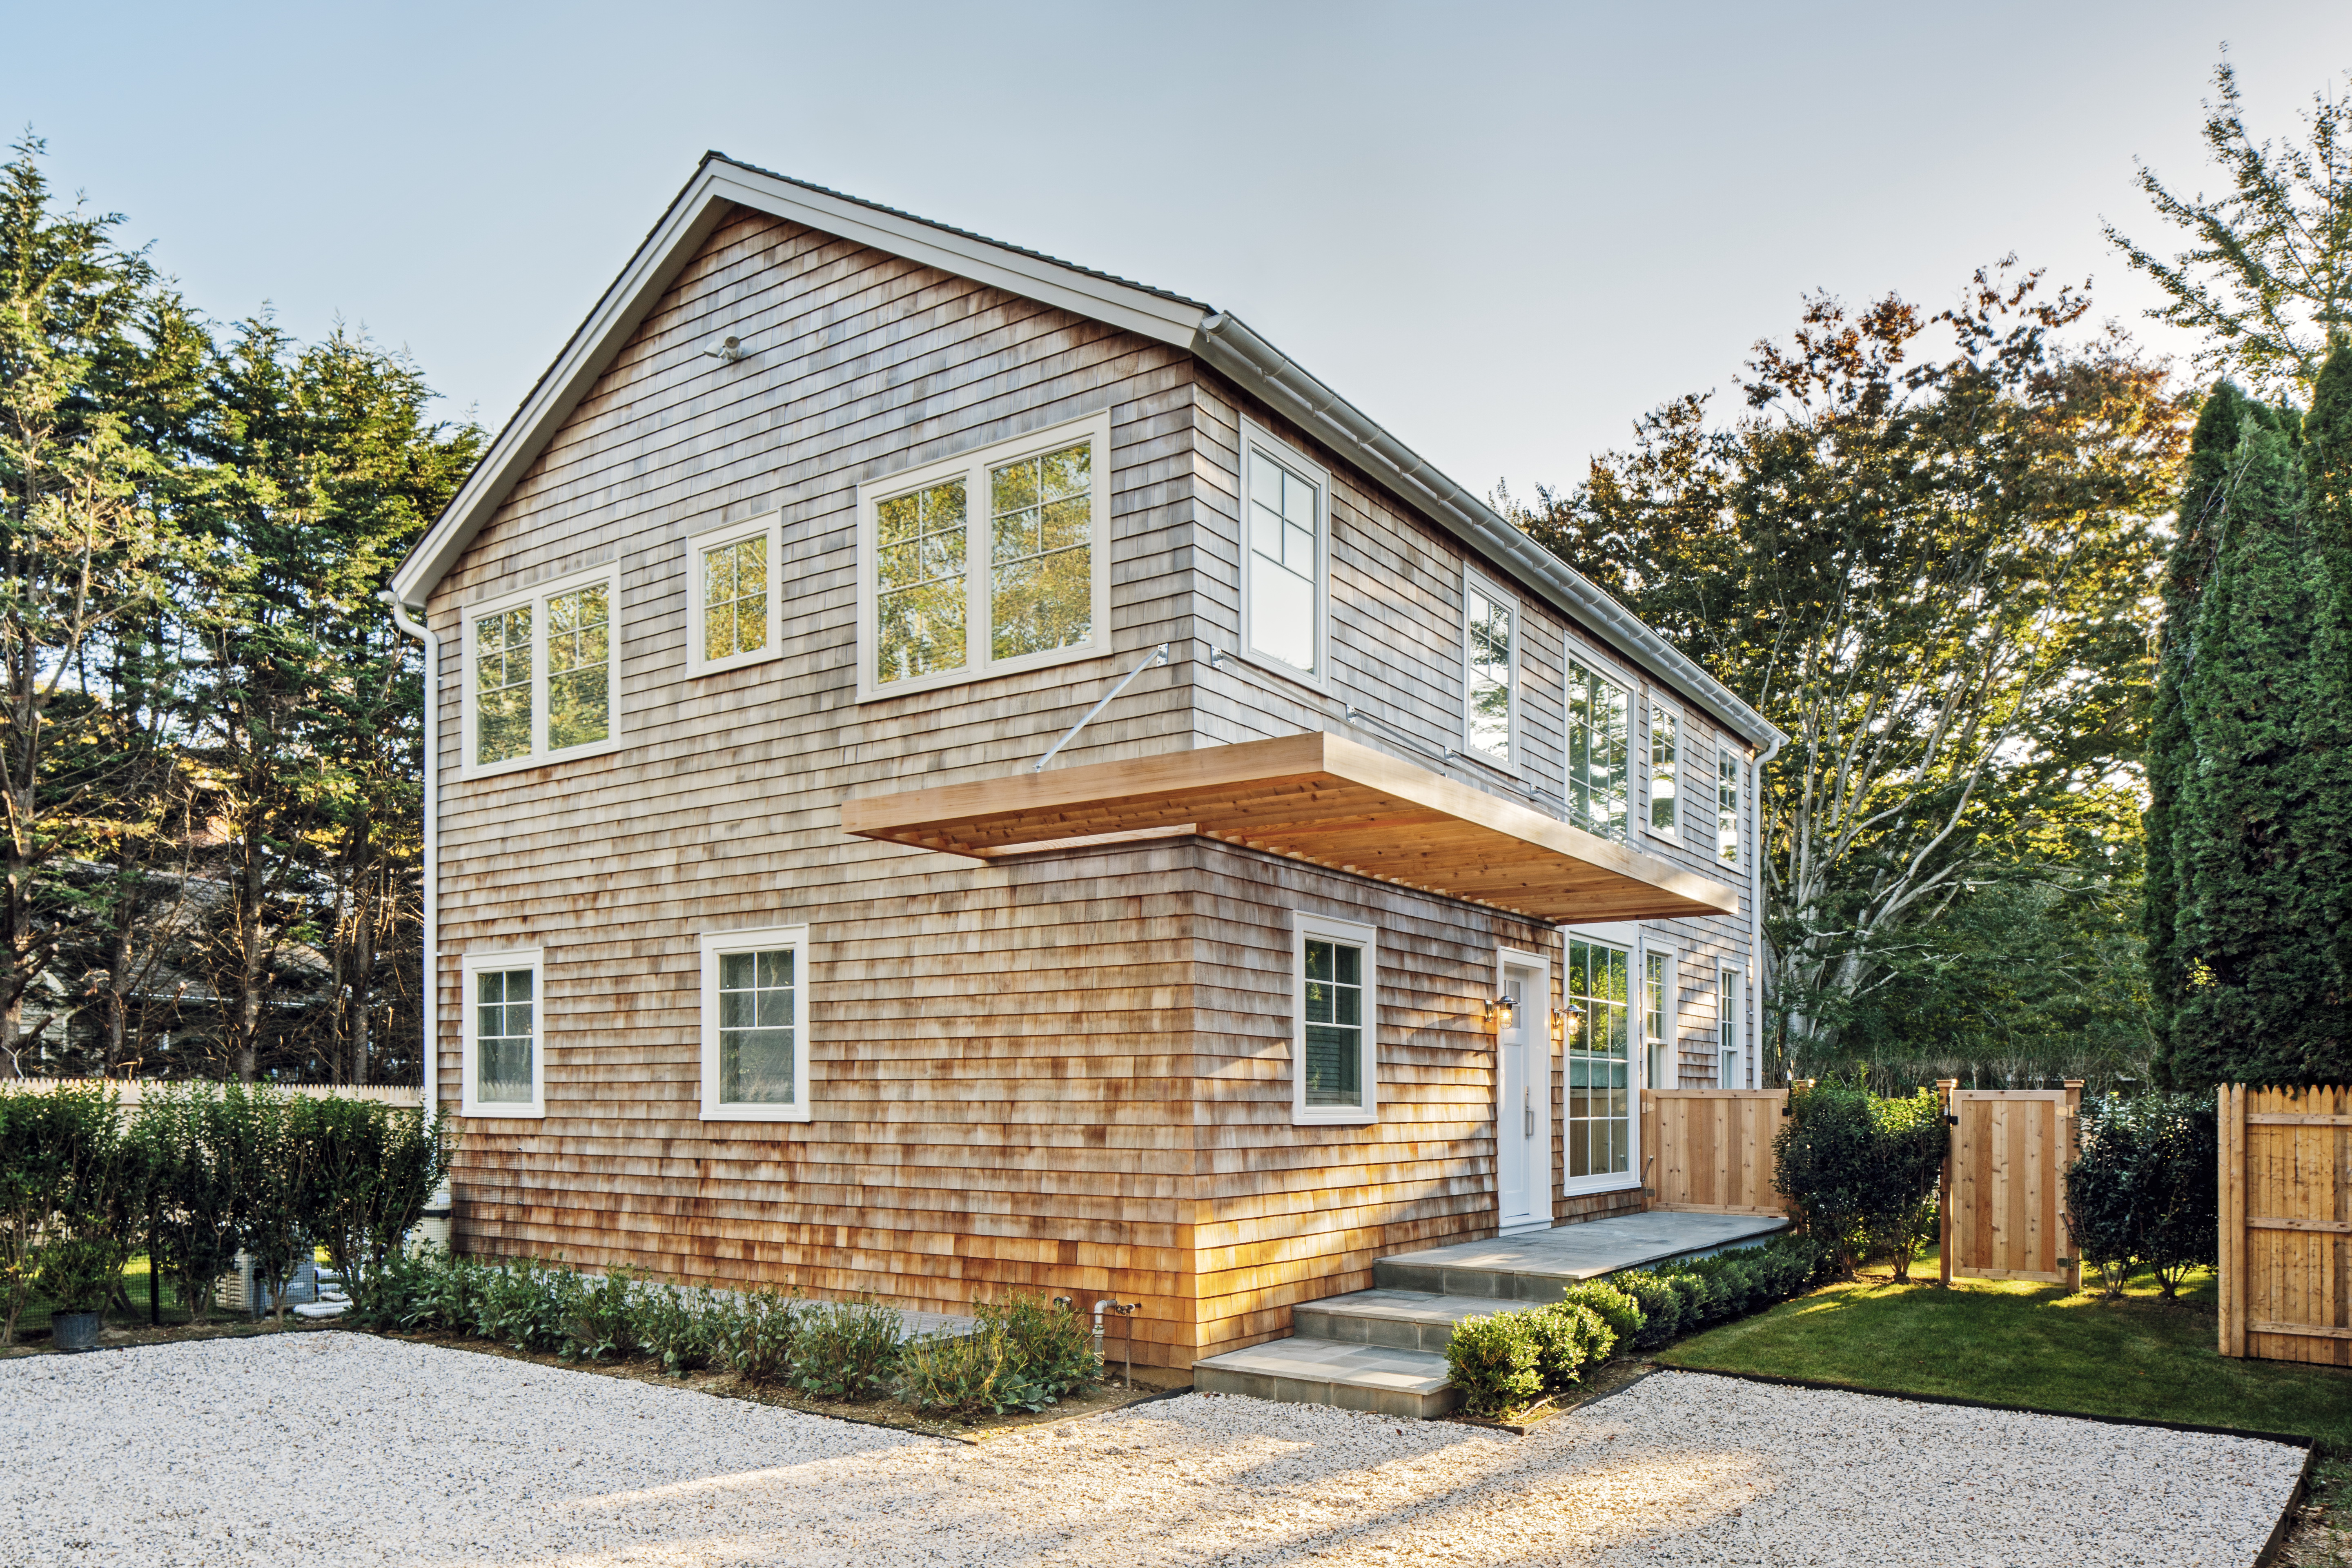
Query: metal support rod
[{"x": 1159, "y": 656}]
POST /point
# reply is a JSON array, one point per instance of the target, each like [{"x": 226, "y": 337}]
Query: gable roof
[{"x": 720, "y": 183}]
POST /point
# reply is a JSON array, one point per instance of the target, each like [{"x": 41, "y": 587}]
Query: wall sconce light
[
  {"x": 1563, "y": 1024},
  {"x": 1501, "y": 1013}
]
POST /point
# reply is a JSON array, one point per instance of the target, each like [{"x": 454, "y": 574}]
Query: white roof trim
[{"x": 1221, "y": 339}]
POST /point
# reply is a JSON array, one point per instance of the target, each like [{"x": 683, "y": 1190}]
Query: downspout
[
  {"x": 1755, "y": 892},
  {"x": 429, "y": 986}
]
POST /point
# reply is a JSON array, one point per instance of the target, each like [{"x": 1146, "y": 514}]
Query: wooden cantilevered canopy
[{"x": 1316, "y": 797}]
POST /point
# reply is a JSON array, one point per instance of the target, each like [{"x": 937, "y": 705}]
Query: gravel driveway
[{"x": 341, "y": 1448}]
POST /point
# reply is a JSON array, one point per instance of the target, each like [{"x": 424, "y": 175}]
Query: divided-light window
[
  {"x": 734, "y": 595},
  {"x": 1334, "y": 1038},
  {"x": 540, "y": 681},
  {"x": 1286, "y": 553},
  {"x": 1727, "y": 806},
  {"x": 755, "y": 1026},
  {"x": 992, "y": 562},
  {"x": 1596, "y": 754},
  {"x": 1665, "y": 770},
  {"x": 501, "y": 1059},
  {"x": 1490, "y": 672}
]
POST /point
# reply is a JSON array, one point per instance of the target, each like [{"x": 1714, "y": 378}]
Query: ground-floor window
[
  {"x": 502, "y": 1061},
  {"x": 754, "y": 1026},
  {"x": 1658, "y": 1017},
  {"x": 1600, "y": 1102},
  {"x": 1728, "y": 1001},
  {"x": 1335, "y": 988}
]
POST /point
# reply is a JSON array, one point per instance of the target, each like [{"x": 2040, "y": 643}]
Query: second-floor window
[
  {"x": 733, "y": 596},
  {"x": 1285, "y": 554},
  {"x": 1727, "y": 806},
  {"x": 541, "y": 674},
  {"x": 1596, "y": 754},
  {"x": 1665, "y": 769},
  {"x": 990, "y": 562},
  {"x": 1490, "y": 671}
]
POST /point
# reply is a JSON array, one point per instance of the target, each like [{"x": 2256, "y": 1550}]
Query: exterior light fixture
[
  {"x": 1563, "y": 1024},
  {"x": 1501, "y": 1012}
]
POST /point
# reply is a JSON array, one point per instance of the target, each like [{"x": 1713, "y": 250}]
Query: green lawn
[{"x": 2013, "y": 1344}]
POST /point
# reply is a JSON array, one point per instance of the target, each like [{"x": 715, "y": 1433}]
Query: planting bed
[{"x": 360, "y": 1450}]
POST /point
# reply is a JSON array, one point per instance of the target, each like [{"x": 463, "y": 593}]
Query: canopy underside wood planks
[{"x": 1316, "y": 797}]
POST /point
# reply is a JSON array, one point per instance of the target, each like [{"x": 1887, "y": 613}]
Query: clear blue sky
[{"x": 1501, "y": 230}]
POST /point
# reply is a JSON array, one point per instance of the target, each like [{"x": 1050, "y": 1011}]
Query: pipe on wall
[{"x": 429, "y": 987}]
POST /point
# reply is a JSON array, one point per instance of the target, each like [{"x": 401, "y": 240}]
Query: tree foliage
[
  {"x": 1935, "y": 570},
  {"x": 2267, "y": 276}
]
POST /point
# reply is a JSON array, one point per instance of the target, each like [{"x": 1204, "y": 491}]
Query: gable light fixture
[{"x": 729, "y": 351}]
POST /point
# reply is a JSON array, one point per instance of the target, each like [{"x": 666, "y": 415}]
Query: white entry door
[{"x": 1523, "y": 1095}]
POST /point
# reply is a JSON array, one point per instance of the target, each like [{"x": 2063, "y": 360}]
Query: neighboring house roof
[{"x": 1215, "y": 336}]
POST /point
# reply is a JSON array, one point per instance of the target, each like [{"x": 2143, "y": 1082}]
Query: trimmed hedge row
[
  {"x": 1505, "y": 1362},
  {"x": 1025, "y": 1354}
]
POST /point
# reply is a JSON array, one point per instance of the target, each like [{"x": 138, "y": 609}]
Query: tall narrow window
[
  {"x": 1599, "y": 1111},
  {"x": 542, "y": 674},
  {"x": 1728, "y": 1006},
  {"x": 733, "y": 596},
  {"x": 754, "y": 1035},
  {"x": 1727, "y": 806},
  {"x": 1596, "y": 754},
  {"x": 1041, "y": 568},
  {"x": 1284, "y": 553},
  {"x": 1490, "y": 671},
  {"x": 502, "y": 685},
  {"x": 579, "y": 667},
  {"x": 1334, "y": 1045},
  {"x": 1665, "y": 769},
  {"x": 993, "y": 561},
  {"x": 1658, "y": 1017},
  {"x": 500, "y": 1061}
]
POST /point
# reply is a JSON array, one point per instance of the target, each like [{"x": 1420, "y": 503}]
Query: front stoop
[
  {"x": 1396, "y": 1319},
  {"x": 1378, "y": 1379}
]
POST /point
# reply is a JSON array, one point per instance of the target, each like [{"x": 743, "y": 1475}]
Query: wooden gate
[
  {"x": 2004, "y": 1197},
  {"x": 2286, "y": 1222},
  {"x": 1709, "y": 1151}
]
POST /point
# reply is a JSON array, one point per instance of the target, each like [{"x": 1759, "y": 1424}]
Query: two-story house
[{"x": 770, "y": 944}]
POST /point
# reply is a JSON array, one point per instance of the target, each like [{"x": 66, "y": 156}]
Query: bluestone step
[
  {"x": 1375, "y": 1378},
  {"x": 1400, "y": 1319},
  {"x": 1540, "y": 1267}
]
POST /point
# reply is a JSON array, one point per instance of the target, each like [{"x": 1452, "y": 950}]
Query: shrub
[
  {"x": 677, "y": 1327},
  {"x": 1560, "y": 1343},
  {"x": 1732, "y": 1288},
  {"x": 1495, "y": 1361},
  {"x": 604, "y": 1321},
  {"x": 2142, "y": 1191},
  {"x": 527, "y": 1304},
  {"x": 198, "y": 1186},
  {"x": 761, "y": 1336},
  {"x": 1660, "y": 1304},
  {"x": 71, "y": 1190},
  {"x": 370, "y": 1169},
  {"x": 1857, "y": 1170},
  {"x": 1050, "y": 1344},
  {"x": 1612, "y": 1304},
  {"x": 846, "y": 1350}
]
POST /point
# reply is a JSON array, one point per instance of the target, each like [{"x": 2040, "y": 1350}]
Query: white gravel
[{"x": 346, "y": 1450}]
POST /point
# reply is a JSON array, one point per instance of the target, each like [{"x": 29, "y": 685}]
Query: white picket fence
[{"x": 128, "y": 1090}]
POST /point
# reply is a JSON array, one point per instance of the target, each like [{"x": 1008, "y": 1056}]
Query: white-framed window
[
  {"x": 1728, "y": 998},
  {"x": 1664, "y": 818},
  {"x": 502, "y": 1057},
  {"x": 1285, "y": 556},
  {"x": 1335, "y": 1016},
  {"x": 1727, "y": 763},
  {"x": 1490, "y": 671},
  {"x": 755, "y": 1025},
  {"x": 1602, "y": 1123},
  {"x": 1596, "y": 753},
  {"x": 986, "y": 563},
  {"x": 543, "y": 673},
  {"x": 1661, "y": 1001},
  {"x": 734, "y": 595}
]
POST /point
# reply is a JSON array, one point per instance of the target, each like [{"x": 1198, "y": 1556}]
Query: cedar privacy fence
[
  {"x": 2286, "y": 1222},
  {"x": 1709, "y": 1151}
]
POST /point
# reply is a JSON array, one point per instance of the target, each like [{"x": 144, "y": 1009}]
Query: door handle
[{"x": 1527, "y": 1104}]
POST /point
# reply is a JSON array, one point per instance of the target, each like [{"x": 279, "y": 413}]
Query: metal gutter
[
  {"x": 1258, "y": 364},
  {"x": 429, "y": 987}
]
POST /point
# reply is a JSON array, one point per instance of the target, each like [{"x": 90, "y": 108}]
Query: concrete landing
[
  {"x": 1375, "y": 1378},
  {"x": 1539, "y": 1267}
]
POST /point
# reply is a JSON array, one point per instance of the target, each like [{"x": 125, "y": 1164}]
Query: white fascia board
[
  {"x": 692, "y": 218},
  {"x": 1258, "y": 366}
]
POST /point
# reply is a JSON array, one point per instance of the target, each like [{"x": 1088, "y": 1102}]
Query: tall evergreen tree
[
  {"x": 2263, "y": 996},
  {"x": 2326, "y": 821}
]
